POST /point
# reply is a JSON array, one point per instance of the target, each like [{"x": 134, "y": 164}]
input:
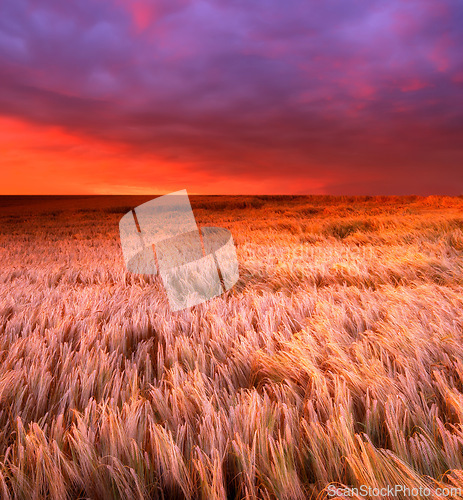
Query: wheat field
[{"x": 337, "y": 359}]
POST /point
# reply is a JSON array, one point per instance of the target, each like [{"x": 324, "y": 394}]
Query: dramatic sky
[{"x": 231, "y": 96}]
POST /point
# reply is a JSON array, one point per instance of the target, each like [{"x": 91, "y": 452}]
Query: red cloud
[{"x": 231, "y": 96}]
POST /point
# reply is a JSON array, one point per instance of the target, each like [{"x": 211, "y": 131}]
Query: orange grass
[{"x": 337, "y": 358}]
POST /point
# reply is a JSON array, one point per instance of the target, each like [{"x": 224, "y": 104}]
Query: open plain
[{"x": 337, "y": 359}]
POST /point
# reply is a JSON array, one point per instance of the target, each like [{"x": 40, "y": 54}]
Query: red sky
[{"x": 216, "y": 96}]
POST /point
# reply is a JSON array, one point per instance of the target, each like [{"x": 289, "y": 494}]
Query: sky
[{"x": 231, "y": 97}]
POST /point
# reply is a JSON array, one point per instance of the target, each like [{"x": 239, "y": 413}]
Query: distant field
[{"x": 337, "y": 358}]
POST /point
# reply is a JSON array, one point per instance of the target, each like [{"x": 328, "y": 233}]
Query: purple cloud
[{"x": 363, "y": 96}]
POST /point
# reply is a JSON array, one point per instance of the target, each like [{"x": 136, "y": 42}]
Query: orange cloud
[{"x": 40, "y": 159}]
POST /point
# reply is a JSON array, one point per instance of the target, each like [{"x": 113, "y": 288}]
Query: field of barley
[{"x": 337, "y": 359}]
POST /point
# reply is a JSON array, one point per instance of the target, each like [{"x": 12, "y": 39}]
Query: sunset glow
[{"x": 113, "y": 96}]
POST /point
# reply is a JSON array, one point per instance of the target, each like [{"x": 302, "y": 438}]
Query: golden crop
[{"x": 337, "y": 358}]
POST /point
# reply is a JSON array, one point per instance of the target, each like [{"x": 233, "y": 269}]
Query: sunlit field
[{"x": 336, "y": 359}]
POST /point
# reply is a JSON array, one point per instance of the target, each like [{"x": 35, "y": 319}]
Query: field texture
[{"x": 337, "y": 358}]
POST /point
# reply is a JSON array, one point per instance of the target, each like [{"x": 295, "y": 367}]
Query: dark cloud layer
[{"x": 355, "y": 97}]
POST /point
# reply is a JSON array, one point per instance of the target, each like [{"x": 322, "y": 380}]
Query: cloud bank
[{"x": 232, "y": 96}]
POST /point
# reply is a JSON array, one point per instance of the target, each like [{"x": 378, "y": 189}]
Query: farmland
[{"x": 336, "y": 359}]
